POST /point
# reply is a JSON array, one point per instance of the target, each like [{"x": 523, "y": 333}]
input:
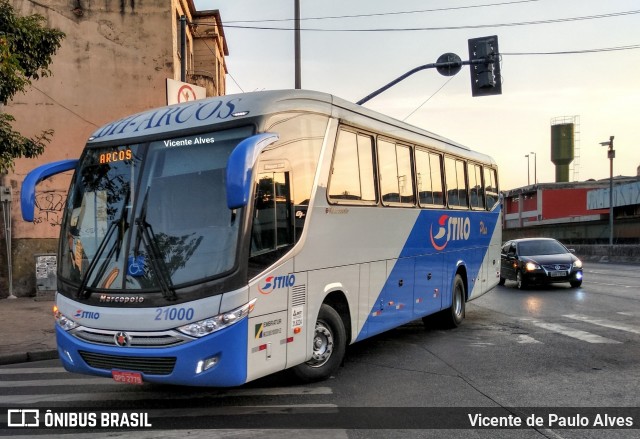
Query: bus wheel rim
[
  {"x": 458, "y": 303},
  {"x": 322, "y": 345}
]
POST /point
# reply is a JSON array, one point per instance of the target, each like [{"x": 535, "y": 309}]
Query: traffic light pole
[
  {"x": 485, "y": 80},
  {"x": 437, "y": 65}
]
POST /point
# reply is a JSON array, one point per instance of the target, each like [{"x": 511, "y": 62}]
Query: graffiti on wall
[{"x": 49, "y": 206}]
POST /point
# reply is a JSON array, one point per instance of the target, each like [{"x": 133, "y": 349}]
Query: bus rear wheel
[
  {"x": 329, "y": 345},
  {"x": 453, "y": 316}
]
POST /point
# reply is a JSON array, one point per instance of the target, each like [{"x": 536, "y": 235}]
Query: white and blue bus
[{"x": 217, "y": 241}]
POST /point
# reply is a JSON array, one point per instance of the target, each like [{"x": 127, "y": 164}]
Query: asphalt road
[{"x": 517, "y": 351}]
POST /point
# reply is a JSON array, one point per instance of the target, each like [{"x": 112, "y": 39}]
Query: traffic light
[{"x": 484, "y": 59}]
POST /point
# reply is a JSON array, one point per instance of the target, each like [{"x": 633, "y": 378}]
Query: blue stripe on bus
[
  {"x": 420, "y": 282},
  {"x": 229, "y": 344}
]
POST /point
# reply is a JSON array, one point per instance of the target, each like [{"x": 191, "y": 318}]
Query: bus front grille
[
  {"x": 156, "y": 339},
  {"x": 148, "y": 365}
]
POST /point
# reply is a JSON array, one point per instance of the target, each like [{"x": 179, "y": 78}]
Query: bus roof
[{"x": 203, "y": 113}]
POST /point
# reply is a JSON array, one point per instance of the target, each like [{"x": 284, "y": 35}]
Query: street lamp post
[
  {"x": 611, "y": 154},
  {"x": 528, "y": 179},
  {"x": 535, "y": 168}
]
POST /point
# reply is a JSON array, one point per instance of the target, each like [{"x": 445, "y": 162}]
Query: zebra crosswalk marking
[
  {"x": 605, "y": 323},
  {"x": 573, "y": 333},
  {"x": 134, "y": 396}
]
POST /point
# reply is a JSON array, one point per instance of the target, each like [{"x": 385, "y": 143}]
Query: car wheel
[
  {"x": 576, "y": 283},
  {"x": 521, "y": 283},
  {"x": 329, "y": 344}
]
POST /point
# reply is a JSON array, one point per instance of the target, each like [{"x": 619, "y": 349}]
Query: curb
[{"x": 28, "y": 356}]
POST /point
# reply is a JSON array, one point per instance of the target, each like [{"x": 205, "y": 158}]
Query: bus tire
[
  {"x": 453, "y": 317},
  {"x": 329, "y": 345}
]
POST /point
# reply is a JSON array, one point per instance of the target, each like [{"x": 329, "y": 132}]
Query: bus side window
[
  {"x": 456, "y": 183},
  {"x": 491, "y": 187},
  {"x": 475, "y": 186},
  {"x": 352, "y": 176},
  {"x": 429, "y": 176},
  {"x": 396, "y": 179}
]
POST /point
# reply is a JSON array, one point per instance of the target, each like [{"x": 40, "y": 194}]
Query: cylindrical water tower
[{"x": 562, "y": 149}]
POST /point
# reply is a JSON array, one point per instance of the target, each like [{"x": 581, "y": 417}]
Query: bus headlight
[
  {"x": 64, "y": 322},
  {"x": 216, "y": 323}
]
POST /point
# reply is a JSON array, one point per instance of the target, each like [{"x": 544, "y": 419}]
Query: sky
[{"x": 351, "y": 48}]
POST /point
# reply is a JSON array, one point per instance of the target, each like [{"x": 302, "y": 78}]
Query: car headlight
[
  {"x": 577, "y": 264},
  {"x": 63, "y": 321},
  {"x": 530, "y": 266},
  {"x": 216, "y": 323}
]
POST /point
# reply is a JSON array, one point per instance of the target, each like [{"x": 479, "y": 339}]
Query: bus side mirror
[
  {"x": 28, "y": 191},
  {"x": 239, "y": 167}
]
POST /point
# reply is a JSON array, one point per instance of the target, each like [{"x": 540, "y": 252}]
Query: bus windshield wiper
[
  {"x": 115, "y": 248},
  {"x": 81, "y": 293},
  {"x": 148, "y": 238}
]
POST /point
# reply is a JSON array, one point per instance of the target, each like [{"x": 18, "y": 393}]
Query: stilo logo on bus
[
  {"x": 272, "y": 283},
  {"x": 450, "y": 228}
]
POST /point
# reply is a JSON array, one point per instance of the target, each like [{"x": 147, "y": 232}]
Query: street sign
[{"x": 179, "y": 92}]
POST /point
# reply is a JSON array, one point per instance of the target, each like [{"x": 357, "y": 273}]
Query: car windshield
[
  {"x": 541, "y": 247},
  {"x": 151, "y": 216}
]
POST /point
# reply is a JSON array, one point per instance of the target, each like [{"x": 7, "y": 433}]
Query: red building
[
  {"x": 551, "y": 203},
  {"x": 574, "y": 212}
]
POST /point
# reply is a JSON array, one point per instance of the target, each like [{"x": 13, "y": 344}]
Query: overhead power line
[
  {"x": 428, "y": 99},
  {"x": 476, "y": 26},
  {"x": 382, "y": 14},
  {"x": 574, "y": 52}
]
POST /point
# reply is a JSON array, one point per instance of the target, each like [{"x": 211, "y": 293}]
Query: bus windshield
[{"x": 151, "y": 216}]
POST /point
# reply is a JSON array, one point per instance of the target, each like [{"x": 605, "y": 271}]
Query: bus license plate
[
  {"x": 127, "y": 377},
  {"x": 558, "y": 273}
]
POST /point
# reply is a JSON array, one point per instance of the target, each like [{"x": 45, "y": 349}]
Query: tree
[{"x": 27, "y": 46}]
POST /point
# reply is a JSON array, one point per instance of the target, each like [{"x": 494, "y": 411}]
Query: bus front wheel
[{"x": 329, "y": 344}]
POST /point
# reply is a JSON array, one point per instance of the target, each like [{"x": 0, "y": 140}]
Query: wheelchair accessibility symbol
[{"x": 135, "y": 266}]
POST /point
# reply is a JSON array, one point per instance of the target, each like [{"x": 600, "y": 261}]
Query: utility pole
[
  {"x": 528, "y": 178},
  {"x": 296, "y": 37},
  {"x": 5, "y": 199},
  {"x": 611, "y": 154},
  {"x": 535, "y": 167},
  {"x": 183, "y": 48}
]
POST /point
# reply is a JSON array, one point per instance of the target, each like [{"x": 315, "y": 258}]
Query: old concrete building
[{"x": 115, "y": 60}]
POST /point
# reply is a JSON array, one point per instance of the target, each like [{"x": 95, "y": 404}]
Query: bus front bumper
[{"x": 217, "y": 360}]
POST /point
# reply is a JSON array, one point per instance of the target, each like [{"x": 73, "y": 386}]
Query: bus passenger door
[
  {"x": 272, "y": 222},
  {"x": 427, "y": 294}
]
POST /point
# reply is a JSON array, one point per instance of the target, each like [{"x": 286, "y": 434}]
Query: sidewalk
[{"x": 27, "y": 330}]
